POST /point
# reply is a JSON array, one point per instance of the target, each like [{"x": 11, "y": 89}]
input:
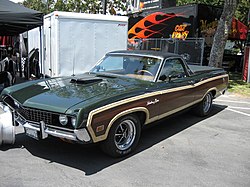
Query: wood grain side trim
[
  {"x": 143, "y": 96},
  {"x": 179, "y": 109}
]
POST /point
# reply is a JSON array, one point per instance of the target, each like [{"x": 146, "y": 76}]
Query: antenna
[{"x": 74, "y": 57}]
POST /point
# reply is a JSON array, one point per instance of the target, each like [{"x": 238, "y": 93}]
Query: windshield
[{"x": 139, "y": 67}]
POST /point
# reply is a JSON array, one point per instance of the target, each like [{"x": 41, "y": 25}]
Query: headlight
[
  {"x": 63, "y": 119},
  {"x": 73, "y": 121}
]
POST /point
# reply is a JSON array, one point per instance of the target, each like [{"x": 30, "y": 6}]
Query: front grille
[
  {"x": 36, "y": 115},
  {"x": 33, "y": 115}
]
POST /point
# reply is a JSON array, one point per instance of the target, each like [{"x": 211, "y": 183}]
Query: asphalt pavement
[{"x": 184, "y": 150}]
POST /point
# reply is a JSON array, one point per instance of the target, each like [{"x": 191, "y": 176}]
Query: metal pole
[
  {"x": 104, "y": 7},
  {"x": 28, "y": 63},
  {"x": 41, "y": 51}
]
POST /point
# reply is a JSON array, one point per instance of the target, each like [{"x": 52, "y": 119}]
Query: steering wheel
[{"x": 145, "y": 71}]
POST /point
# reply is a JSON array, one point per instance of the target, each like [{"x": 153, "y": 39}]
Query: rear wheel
[
  {"x": 205, "y": 106},
  {"x": 123, "y": 136}
]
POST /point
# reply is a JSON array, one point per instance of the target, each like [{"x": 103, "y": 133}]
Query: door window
[{"x": 172, "y": 69}]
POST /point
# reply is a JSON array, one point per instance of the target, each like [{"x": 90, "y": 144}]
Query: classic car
[{"x": 124, "y": 92}]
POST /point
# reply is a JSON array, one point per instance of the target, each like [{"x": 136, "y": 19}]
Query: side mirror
[{"x": 163, "y": 77}]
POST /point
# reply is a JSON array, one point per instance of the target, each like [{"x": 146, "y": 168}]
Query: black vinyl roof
[
  {"x": 161, "y": 54},
  {"x": 16, "y": 19}
]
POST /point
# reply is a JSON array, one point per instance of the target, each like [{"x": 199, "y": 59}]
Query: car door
[{"x": 177, "y": 87}]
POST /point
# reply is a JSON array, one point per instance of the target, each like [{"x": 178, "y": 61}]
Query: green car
[{"x": 124, "y": 92}]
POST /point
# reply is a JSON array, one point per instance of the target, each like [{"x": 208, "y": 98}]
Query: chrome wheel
[
  {"x": 125, "y": 134},
  {"x": 207, "y": 102}
]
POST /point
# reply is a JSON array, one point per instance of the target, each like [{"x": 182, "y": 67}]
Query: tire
[
  {"x": 1, "y": 133},
  {"x": 205, "y": 106},
  {"x": 123, "y": 136}
]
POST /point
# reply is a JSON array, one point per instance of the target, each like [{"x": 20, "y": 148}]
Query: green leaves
[
  {"x": 84, "y": 6},
  {"x": 242, "y": 11},
  {"x": 114, "y": 6},
  {"x": 208, "y": 2},
  {"x": 35, "y": 5}
]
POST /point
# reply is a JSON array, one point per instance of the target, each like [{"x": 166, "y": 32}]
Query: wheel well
[
  {"x": 141, "y": 116},
  {"x": 213, "y": 92}
]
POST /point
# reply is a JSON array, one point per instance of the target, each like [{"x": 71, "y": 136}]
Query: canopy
[{"x": 16, "y": 19}]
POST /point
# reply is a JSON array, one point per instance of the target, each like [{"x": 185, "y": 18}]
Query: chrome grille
[{"x": 36, "y": 115}]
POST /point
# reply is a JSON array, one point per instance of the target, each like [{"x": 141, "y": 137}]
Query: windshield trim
[
  {"x": 136, "y": 55},
  {"x": 126, "y": 54}
]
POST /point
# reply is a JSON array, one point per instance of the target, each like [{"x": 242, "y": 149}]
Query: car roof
[{"x": 161, "y": 54}]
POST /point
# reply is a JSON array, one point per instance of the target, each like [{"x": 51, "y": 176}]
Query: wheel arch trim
[
  {"x": 114, "y": 119},
  {"x": 214, "y": 89}
]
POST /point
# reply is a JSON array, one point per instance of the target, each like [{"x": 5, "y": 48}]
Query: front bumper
[{"x": 41, "y": 131}]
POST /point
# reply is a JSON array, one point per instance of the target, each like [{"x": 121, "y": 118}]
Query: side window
[{"x": 172, "y": 69}]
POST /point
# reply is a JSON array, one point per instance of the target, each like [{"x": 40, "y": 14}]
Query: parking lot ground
[{"x": 184, "y": 150}]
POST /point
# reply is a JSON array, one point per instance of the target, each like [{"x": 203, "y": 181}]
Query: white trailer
[{"x": 74, "y": 42}]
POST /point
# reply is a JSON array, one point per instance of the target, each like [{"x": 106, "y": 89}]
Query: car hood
[{"x": 60, "y": 94}]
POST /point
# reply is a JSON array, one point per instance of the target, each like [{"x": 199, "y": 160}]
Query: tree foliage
[
  {"x": 96, "y": 6},
  {"x": 35, "y": 5},
  {"x": 84, "y": 6},
  {"x": 208, "y": 2},
  {"x": 242, "y": 11}
]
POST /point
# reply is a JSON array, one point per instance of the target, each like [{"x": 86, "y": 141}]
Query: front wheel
[
  {"x": 123, "y": 136},
  {"x": 205, "y": 106}
]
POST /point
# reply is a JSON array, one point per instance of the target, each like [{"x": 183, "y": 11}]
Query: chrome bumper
[{"x": 44, "y": 130}]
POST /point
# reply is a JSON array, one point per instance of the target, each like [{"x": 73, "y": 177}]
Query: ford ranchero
[{"x": 124, "y": 92}]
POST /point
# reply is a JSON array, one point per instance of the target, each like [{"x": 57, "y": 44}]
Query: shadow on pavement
[{"x": 90, "y": 159}]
